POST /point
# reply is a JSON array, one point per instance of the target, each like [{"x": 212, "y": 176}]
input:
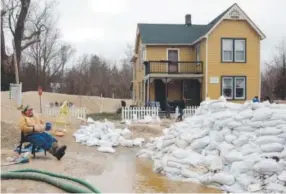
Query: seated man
[{"x": 34, "y": 131}]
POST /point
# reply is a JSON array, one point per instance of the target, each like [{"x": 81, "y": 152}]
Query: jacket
[{"x": 26, "y": 123}]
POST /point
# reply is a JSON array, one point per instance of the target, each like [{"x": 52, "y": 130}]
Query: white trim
[
  {"x": 206, "y": 73},
  {"x": 259, "y": 77},
  {"x": 243, "y": 17},
  {"x": 167, "y": 55}
]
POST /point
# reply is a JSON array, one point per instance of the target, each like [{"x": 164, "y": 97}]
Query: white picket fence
[
  {"x": 188, "y": 111},
  {"x": 74, "y": 112},
  {"x": 140, "y": 112}
]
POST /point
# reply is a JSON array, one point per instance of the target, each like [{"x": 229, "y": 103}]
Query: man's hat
[{"x": 26, "y": 108}]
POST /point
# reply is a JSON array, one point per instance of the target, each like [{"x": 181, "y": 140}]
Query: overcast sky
[{"x": 104, "y": 27}]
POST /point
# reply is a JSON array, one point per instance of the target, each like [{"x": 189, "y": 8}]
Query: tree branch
[{"x": 29, "y": 44}]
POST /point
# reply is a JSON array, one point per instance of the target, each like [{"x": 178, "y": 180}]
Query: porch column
[
  {"x": 166, "y": 88},
  {"x": 148, "y": 91}
]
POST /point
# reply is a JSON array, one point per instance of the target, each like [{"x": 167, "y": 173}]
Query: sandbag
[
  {"x": 239, "y": 167},
  {"x": 200, "y": 143},
  {"x": 229, "y": 138},
  {"x": 244, "y": 181},
  {"x": 244, "y": 115},
  {"x": 272, "y": 123},
  {"x": 274, "y": 187},
  {"x": 126, "y": 143},
  {"x": 282, "y": 176},
  {"x": 244, "y": 128},
  {"x": 181, "y": 143},
  {"x": 216, "y": 164},
  {"x": 105, "y": 149},
  {"x": 174, "y": 164},
  {"x": 270, "y": 131},
  {"x": 223, "y": 178},
  {"x": 249, "y": 148},
  {"x": 233, "y": 156},
  {"x": 173, "y": 171},
  {"x": 234, "y": 188},
  {"x": 189, "y": 174},
  {"x": 268, "y": 165},
  {"x": 272, "y": 147},
  {"x": 262, "y": 114},
  {"x": 216, "y": 136},
  {"x": 281, "y": 115},
  {"x": 268, "y": 139},
  {"x": 180, "y": 153}
]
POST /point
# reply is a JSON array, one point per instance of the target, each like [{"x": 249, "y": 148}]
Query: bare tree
[
  {"x": 25, "y": 22},
  {"x": 274, "y": 77}
]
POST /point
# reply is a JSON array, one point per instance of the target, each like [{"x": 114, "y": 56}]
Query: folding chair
[{"x": 24, "y": 140}]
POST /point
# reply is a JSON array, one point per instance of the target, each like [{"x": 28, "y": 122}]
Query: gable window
[
  {"x": 234, "y": 87},
  {"x": 233, "y": 50}
]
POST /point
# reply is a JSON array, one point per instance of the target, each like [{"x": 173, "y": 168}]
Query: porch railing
[{"x": 174, "y": 67}]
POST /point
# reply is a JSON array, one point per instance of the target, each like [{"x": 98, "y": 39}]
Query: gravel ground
[{"x": 10, "y": 135}]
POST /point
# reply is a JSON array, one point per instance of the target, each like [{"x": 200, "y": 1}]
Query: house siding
[
  {"x": 250, "y": 69},
  {"x": 139, "y": 75}
]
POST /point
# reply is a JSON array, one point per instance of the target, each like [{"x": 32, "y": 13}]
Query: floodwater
[{"x": 126, "y": 173}]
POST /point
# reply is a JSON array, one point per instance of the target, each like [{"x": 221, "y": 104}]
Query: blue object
[
  {"x": 42, "y": 140},
  {"x": 28, "y": 148},
  {"x": 255, "y": 100},
  {"x": 48, "y": 126}
]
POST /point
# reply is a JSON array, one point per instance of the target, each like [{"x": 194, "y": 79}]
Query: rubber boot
[{"x": 57, "y": 151}]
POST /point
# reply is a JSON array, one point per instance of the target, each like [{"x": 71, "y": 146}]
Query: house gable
[{"x": 235, "y": 13}]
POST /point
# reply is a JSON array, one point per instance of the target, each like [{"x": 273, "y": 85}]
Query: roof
[
  {"x": 170, "y": 33},
  {"x": 177, "y": 33}
]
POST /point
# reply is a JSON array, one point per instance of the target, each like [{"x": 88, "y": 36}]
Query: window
[
  {"x": 234, "y": 87},
  {"x": 227, "y": 87},
  {"x": 233, "y": 50},
  {"x": 239, "y": 50},
  {"x": 239, "y": 92}
]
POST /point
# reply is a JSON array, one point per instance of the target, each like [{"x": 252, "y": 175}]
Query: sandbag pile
[
  {"x": 105, "y": 135},
  {"x": 234, "y": 147}
]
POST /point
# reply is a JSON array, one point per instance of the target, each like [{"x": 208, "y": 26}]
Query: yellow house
[{"x": 173, "y": 61}]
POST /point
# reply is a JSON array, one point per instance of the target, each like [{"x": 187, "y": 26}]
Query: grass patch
[{"x": 102, "y": 116}]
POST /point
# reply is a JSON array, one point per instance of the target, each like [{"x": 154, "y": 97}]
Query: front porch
[
  {"x": 173, "y": 67},
  {"x": 165, "y": 88}
]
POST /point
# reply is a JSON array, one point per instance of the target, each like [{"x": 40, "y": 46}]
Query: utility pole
[{"x": 16, "y": 63}]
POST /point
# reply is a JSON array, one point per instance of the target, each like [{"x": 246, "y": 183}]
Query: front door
[
  {"x": 192, "y": 92},
  {"x": 160, "y": 93},
  {"x": 173, "y": 57}
]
